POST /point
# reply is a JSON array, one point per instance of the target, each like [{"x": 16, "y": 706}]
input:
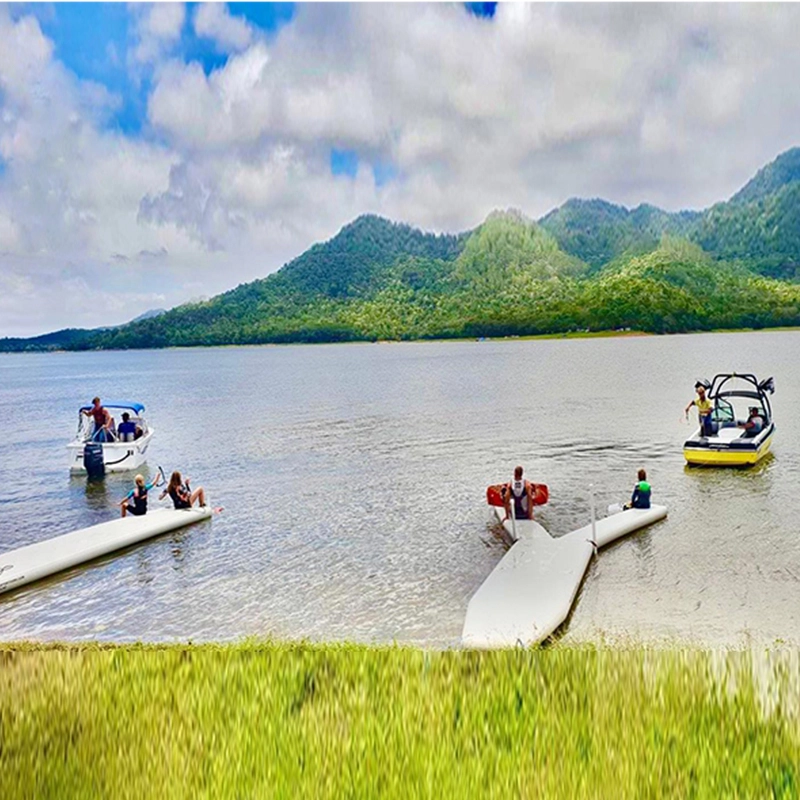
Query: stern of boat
[{"x": 117, "y": 456}]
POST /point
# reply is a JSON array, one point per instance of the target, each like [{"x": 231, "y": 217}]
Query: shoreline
[{"x": 612, "y": 334}]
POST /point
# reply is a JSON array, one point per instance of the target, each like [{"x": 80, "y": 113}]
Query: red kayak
[{"x": 494, "y": 494}]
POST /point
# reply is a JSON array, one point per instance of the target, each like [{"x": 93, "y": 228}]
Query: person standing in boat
[
  {"x": 704, "y": 409},
  {"x": 135, "y": 502},
  {"x": 520, "y": 492},
  {"x": 641, "y": 493},
  {"x": 181, "y": 493},
  {"x": 102, "y": 421}
]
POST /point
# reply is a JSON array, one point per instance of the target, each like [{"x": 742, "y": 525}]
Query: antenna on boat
[
  {"x": 513, "y": 519},
  {"x": 594, "y": 515}
]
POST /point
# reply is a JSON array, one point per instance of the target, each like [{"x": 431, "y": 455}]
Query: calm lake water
[{"x": 353, "y": 479}]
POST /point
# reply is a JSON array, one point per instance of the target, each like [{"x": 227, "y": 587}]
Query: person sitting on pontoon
[
  {"x": 641, "y": 493},
  {"x": 103, "y": 422},
  {"x": 135, "y": 502},
  {"x": 704, "y": 409},
  {"x": 128, "y": 430},
  {"x": 754, "y": 424},
  {"x": 521, "y": 491},
  {"x": 181, "y": 493}
]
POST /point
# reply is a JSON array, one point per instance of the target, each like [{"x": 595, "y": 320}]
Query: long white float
[
  {"x": 531, "y": 591},
  {"x": 35, "y": 561}
]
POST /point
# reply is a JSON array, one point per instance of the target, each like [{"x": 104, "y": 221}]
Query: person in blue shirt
[
  {"x": 135, "y": 502},
  {"x": 641, "y": 493},
  {"x": 128, "y": 430}
]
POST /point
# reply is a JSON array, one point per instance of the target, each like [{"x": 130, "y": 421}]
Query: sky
[{"x": 156, "y": 154}]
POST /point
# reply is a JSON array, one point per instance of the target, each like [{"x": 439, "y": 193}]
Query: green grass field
[{"x": 301, "y": 720}]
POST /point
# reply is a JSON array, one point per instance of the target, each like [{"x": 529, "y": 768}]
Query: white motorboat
[{"x": 96, "y": 452}]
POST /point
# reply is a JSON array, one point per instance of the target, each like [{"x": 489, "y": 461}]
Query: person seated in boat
[
  {"x": 103, "y": 422},
  {"x": 135, "y": 502},
  {"x": 128, "y": 430},
  {"x": 754, "y": 424},
  {"x": 521, "y": 492},
  {"x": 704, "y": 409},
  {"x": 641, "y": 493},
  {"x": 181, "y": 493}
]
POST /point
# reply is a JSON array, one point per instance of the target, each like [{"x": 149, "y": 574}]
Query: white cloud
[
  {"x": 214, "y": 21},
  {"x": 158, "y": 28},
  {"x": 672, "y": 104}
]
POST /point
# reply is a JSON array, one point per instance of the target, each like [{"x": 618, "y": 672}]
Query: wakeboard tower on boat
[
  {"x": 89, "y": 455},
  {"x": 731, "y": 444}
]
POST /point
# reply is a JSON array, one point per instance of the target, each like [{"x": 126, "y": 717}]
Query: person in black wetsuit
[
  {"x": 135, "y": 502},
  {"x": 181, "y": 493},
  {"x": 520, "y": 492}
]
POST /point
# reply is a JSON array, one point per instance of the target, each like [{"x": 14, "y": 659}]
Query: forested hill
[
  {"x": 759, "y": 226},
  {"x": 587, "y": 265}
]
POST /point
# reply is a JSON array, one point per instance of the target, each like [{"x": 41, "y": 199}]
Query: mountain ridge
[{"x": 377, "y": 278}]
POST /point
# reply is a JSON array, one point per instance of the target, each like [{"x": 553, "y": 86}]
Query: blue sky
[{"x": 93, "y": 41}]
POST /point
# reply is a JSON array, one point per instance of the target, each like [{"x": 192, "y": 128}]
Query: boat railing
[{"x": 86, "y": 431}]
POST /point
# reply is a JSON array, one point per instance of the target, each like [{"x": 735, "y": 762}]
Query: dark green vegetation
[
  {"x": 295, "y": 720},
  {"x": 587, "y": 265}
]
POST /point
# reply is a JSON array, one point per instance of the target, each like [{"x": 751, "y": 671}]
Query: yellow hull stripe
[{"x": 729, "y": 457}]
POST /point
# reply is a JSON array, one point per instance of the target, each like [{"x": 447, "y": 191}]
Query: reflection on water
[{"x": 353, "y": 481}]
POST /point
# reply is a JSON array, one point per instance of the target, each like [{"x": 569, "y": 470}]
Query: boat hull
[
  {"x": 117, "y": 456},
  {"x": 728, "y": 454}
]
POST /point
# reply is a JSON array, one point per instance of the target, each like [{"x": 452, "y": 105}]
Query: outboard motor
[{"x": 93, "y": 460}]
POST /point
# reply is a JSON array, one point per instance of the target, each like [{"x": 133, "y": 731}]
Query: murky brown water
[{"x": 353, "y": 476}]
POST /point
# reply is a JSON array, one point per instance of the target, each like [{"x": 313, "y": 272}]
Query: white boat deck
[
  {"x": 531, "y": 591},
  {"x": 34, "y": 561}
]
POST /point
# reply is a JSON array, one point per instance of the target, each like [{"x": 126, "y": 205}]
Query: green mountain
[
  {"x": 586, "y": 265},
  {"x": 598, "y": 232},
  {"x": 785, "y": 169},
  {"x": 759, "y": 225}
]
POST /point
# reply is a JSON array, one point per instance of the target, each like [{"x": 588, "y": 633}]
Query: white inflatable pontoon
[
  {"x": 531, "y": 591},
  {"x": 27, "y": 564}
]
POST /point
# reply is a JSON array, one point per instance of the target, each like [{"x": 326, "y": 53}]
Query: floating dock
[
  {"x": 27, "y": 564},
  {"x": 531, "y": 591}
]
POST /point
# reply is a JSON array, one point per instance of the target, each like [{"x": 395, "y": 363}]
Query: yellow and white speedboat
[{"x": 741, "y": 423}]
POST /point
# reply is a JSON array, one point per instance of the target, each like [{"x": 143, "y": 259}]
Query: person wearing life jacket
[
  {"x": 641, "y": 493},
  {"x": 181, "y": 494},
  {"x": 135, "y": 502},
  {"x": 520, "y": 492}
]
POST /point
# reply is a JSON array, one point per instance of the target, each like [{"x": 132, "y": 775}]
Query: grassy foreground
[{"x": 285, "y": 720}]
